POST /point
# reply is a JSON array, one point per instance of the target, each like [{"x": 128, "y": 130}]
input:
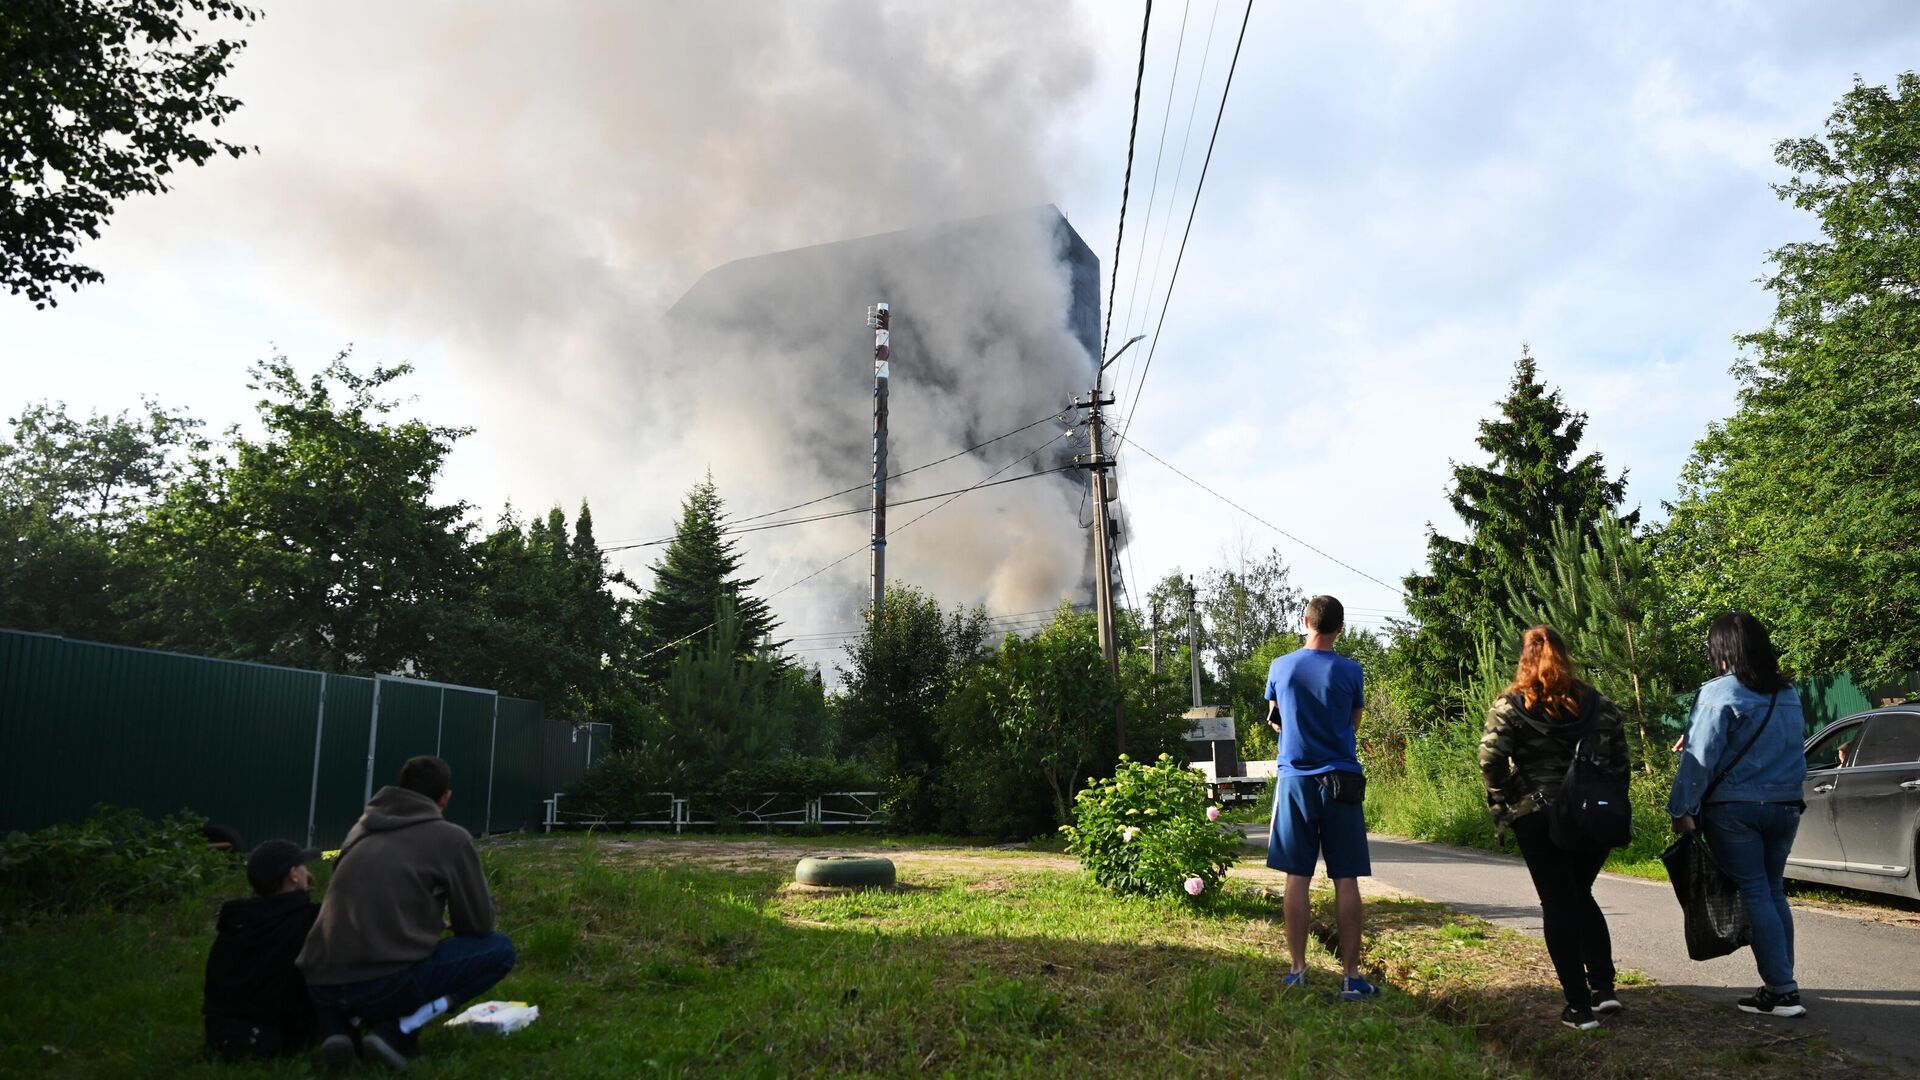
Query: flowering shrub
[{"x": 1147, "y": 832}]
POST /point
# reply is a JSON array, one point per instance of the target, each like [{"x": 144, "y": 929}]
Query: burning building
[{"x": 996, "y": 324}]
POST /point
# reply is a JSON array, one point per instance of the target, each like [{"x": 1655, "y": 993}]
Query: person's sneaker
[
  {"x": 1578, "y": 1019},
  {"x": 1765, "y": 1002},
  {"x": 1357, "y": 990},
  {"x": 337, "y": 1051},
  {"x": 384, "y": 1045},
  {"x": 1294, "y": 978},
  {"x": 1606, "y": 1002}
]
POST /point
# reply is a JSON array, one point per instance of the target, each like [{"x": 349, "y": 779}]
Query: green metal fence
[{"x": 270, "y": 751}]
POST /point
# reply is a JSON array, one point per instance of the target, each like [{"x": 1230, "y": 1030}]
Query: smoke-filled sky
[{"x": 509, "y": 195}]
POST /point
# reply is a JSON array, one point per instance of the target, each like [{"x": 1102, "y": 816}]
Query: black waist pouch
[{"x": 1343, "y": 787}]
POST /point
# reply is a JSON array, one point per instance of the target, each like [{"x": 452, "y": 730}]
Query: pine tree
[
  {"x": 691, "y": 580},
  {"x": 1510, "y": 505}
]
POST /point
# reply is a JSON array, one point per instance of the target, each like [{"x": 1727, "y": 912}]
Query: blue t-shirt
[{"x": 1318, "y": 691}]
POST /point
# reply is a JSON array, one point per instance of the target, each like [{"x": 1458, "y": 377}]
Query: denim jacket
[{"x": 1723, "y": 720}]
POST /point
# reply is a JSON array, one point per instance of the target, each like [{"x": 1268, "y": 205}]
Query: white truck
[{"x": 1213, "y": 750}]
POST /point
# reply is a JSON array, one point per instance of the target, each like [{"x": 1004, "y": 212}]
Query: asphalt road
[{"x": 1859, "y": 978}]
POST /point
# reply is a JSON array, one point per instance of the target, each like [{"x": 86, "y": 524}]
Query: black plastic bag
[{"x": 1716, "y": 921}]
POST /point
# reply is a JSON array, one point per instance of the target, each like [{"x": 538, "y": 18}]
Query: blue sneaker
[
  {"x": 1294, "y": 978},
  {"x": 1357, "y": 990}
]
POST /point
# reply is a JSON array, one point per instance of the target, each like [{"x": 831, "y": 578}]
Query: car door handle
[
  {"x": 1822, "y": 789},
  {"x": 1911, "y": 785}
]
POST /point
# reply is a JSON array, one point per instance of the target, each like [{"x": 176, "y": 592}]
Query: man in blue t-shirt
[{"x": 1314, "y": 699}]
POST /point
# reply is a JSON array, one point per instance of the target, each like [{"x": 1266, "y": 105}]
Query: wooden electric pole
[{"x": 1098, "y": 466}]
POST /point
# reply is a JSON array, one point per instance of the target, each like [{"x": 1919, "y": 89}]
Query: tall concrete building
[{"x": 995, "y": 321}]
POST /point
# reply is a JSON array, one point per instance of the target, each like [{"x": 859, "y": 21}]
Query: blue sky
[{"x": 1403, "y": 193}]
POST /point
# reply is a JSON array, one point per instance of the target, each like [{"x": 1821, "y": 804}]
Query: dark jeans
[
  {"x": 1750, "y": 841},
  {"x": 1576, "y": 930},
  {"x": 461, "y": 968}
]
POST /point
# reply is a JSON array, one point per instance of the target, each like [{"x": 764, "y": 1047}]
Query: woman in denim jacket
[{"x": 1753, "y": 810}]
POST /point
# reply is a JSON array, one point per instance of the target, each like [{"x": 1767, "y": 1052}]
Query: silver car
[{"x": 1862, "y": 824}]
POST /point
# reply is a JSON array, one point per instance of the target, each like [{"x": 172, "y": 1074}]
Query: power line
[
  {"x": 622, "y": 545},
  {"x": 1153, "y": 189},
  {"x": 1199, "y": 186},
  {"x": 956, "y": 493},
  {"x": 1268, "y": 524},
  {"x": 1180, "y": 170},
  {"x": 1126, "y": 184},
  {"x": 986, "y": 481}
]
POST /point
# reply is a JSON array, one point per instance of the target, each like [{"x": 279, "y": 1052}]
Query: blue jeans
[
  {"x": 461, "y": 968},
  {"x": 1750, "y": 841}
]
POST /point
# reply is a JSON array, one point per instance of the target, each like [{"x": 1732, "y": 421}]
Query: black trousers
[{"x": 1576, "y": 930}]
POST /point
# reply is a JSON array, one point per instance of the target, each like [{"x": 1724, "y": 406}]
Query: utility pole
[
  {"x": 879, "y": 317},
  {"x": 1153, "y": 621},
  {"x": 1098, "y": 464},
  {"x": 1193, "y": 641}
]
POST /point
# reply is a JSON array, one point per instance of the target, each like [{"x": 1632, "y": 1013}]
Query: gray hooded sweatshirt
[{"x": 399, "y": 868}]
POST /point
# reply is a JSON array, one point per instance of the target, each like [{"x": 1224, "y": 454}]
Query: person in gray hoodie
[{"x": 375, "y": 954}]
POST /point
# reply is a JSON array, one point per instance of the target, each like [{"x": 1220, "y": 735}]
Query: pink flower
[
  {"x": 1127, "y": 834},
  {"x": 1213, "y": 813},
  {"x": 1195, "y": 886}
]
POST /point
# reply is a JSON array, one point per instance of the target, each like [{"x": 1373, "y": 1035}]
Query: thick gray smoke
[{"x": 531, "y": 186}]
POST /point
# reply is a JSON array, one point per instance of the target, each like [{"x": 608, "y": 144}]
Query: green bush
[
  {"x": 115, "y": 859},
  {"x": 1146, "y": 831},
  {"x": 796, "y": 775}
]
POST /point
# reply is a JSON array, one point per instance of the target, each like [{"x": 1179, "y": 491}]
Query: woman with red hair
[{"x": 1530, "y": 738}]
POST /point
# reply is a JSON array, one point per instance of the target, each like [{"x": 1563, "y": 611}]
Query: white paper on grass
[{"x": 496, "y": 1017}]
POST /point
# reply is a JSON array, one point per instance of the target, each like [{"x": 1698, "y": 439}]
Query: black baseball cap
[{"x": 268, "y": 865}]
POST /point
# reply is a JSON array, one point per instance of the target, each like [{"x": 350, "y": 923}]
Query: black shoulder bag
[{"x": 1715, "y": 920}]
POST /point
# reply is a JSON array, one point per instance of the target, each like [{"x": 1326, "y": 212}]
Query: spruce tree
[
  {"x": 691, "y": 580},
  {"x": 1510, "y": 506}
]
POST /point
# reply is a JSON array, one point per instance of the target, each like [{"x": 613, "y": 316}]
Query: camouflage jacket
[{"x": 1524, "y": 753}]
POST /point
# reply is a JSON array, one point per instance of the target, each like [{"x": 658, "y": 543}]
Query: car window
[
  {"x": 1835, "y": 748},
  {"x": 1891, "y": 739}
]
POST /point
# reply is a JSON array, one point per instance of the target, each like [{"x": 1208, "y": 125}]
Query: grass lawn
[
  {"x": 685, "y": 958},
  {"x": 657, "y": 956}
]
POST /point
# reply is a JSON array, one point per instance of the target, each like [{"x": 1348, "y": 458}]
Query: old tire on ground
[{"x": 845, "y": 871}]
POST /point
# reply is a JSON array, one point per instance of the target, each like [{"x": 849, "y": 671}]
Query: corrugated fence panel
[
  {"x": 519, "y": 772},
  {"x": 466, "y": 741},
  {"x": 158, "y": 732},
  {"x": 83, "y": 723},
  {"x": 343, "y": 758}
]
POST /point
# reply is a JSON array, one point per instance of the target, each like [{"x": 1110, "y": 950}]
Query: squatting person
[
  {"x": 1739, "y": 781},
  {"x": 376, "y": 955},
  {"x": 1529, "y": 740},
  {"x": 1314, "y": 698}
]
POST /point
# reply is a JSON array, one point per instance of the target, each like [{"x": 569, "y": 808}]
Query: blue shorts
[{"x": 1307, "y": 824}]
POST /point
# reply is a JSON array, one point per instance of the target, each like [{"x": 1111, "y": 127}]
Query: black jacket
[{"x": 256, "y": 1000}]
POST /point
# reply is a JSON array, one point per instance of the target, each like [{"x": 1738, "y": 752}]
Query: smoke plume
[{"x": 530, "y": 187}]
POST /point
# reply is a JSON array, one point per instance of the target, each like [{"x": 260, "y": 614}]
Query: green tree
[
  {"x": 1026, "y": 728},
  {"x": 1603, "y": 596},
  {"x": 1246, "y": 601},
  {"x": 69, "y": 489},
  {"x": 696, "y": 574},
  {"x": 725, "y": 703},
  {"x": 1534, "y": 478},
  {"x": 102, "y": 99},
  {"x": 1801, "y": 506},
  {"x": 899, "y": 673},
  {"x": 545, "y": 618},
  {"x": 319, "y": 544}
]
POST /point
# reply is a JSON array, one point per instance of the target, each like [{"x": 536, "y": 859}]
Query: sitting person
[
  {"x": 256, "y": 1003},
  {"x": 376, "y": 955}
]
